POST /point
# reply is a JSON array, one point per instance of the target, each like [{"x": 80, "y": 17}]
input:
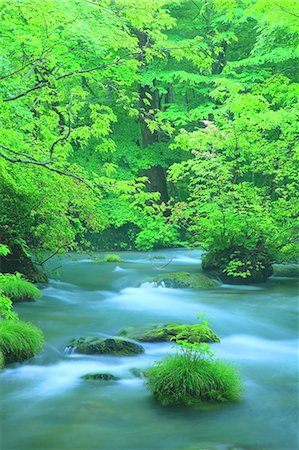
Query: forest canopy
[{"x": 151, "y": 123}]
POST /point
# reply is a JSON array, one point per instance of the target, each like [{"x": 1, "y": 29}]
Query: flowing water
[{"x": 46, "y": 405}]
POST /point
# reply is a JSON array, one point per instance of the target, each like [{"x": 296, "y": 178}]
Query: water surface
[{"x": 47, "y": 406}]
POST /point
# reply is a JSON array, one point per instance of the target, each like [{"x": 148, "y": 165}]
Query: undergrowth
[
  {"x": 18, "y": 289},
  {"x": 19, "y": 340}
]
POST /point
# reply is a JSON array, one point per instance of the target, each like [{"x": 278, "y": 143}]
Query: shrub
[
  {"x": 189, "y": 379},
  {"x": 19, "y": 340},
  {"x": 112, "y": 258},
  {"x": 18, "y": 289}
]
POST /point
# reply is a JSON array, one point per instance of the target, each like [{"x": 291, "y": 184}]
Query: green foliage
[
  {"x": 19, "y": 340},
  {"x": 18, "y": 289},
  {"x": 4, "y": 250},
  {"x": 188, "y": 379},
  {"x": 2, "y": 362},
  {"x": 112, "y": 258},
  {"x": 6, "y": 306},
  {"x": 91, "y": 121}
]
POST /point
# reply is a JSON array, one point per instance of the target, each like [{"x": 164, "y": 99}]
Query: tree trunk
[{"x": 149, "y": 99}]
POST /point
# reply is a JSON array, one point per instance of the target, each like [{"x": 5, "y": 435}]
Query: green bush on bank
[
  {"x": 19, "y": 340},
  {"x": 189, "y": 378},
  {"x": 18, "y": 289}
]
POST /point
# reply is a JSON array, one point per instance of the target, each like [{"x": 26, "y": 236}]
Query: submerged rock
[
  {"x": 181, "y": 280},
  {"x": 137, "y": 372},
  {"x": 100, "y": 346},
  {"x": 171, "y": 332},
  {"x": 100, "y": 377}
]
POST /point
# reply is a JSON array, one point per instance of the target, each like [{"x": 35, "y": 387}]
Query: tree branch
[
  {"x": 65, "y": 137},
  {"x": 286, "y": 11},
  {"x": 69, "y": 74},
  {"x": 45, "y": 165}
]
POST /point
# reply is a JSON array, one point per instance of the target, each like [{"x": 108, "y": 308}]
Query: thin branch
[
  {"x": 286, "y": 11},
  {"x": 52, "y": 254},
  {"x": 66, "y": 136},
  {"x": 17, "y": 153},
  {"x": 45, "y": 164},
  {"x": 69, "y": 74},
  {"x": 21, "y": 68}
]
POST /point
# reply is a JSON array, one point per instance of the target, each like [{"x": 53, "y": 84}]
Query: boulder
[
  {"x": 171, "y": 332},
  {"x": 100, "y": 377},
  {"x": 103, "y": 346},
  {"x": 182, "y": 280}
]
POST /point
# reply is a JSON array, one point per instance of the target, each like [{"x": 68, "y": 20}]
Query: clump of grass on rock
[
  {"x": 192, "y": 377},
  {"x": 112, "y": 258},
  {"x": 19, "y": 340},
  {"x": 18, "y": 289}
]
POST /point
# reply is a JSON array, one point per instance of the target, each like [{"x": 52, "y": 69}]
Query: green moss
[
  {"x": 112, "y": 258},
  {"x": 99, "y": 346},
  {"x": 185, "y": 380},
  {"x": 19, "y": 340},
  {"x": 18, "y": 289},
  {"x": 100, "y": 377},
  {"x": 170, "y": 332},
  {"x": 183, "y": 280}
]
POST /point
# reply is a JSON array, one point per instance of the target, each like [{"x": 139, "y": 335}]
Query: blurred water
[{"x": 47, "y": 406}]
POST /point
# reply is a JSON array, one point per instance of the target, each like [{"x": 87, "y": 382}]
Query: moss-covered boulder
[
  {"x": 286, "y": 270},
  {"x": 171, "y": 332},
  {"x": 137, "y": 372},
  {"x": 181, "y": 280},
  {"x": 100, "y": 377},
  {"x": 101, "y": 346}
]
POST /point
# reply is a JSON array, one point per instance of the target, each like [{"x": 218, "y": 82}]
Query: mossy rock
[
  {"x": 101, "y": 346},
  {"x": 171, "y": 332},
  {"x": 181, "y": 280},
  {"x": 137, "y": 372},
  {"x": 286, "y": 270},
  {"x": 100, "y": 377}
]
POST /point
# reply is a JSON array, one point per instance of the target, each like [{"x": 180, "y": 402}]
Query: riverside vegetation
[{"x": 178, "y": 129}]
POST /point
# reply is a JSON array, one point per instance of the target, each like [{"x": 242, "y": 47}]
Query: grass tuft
[
  {"x": 19, "y": 340},
  {"x": 18, "y": 289},
  {"x": 186, "y": 380},
  {"x": 112, "y": 258}
]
